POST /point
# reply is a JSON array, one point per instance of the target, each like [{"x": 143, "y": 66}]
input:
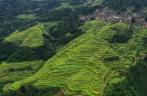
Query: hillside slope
[
  {"x": 31, "y": 44},
  {"x": 31, "y": 37},
  {"x": 87, "y": 64}
]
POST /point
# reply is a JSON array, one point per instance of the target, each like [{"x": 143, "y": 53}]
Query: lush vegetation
[
  {"x": 122, "y": 5},
  {"x": 123, "y": 34},
  {"x": 32, "y": 91},
  {"x": 10, "y": 23},
  {"x": 10, "y": 72},
  {"x": 32, "y": 40},
  {"x": 133, "y": 80},
  {"x": 27, "y": 13},
  {"x": 91, "y": 65},
  {"x": 96, "y": 59},
  {"x": 34, "y": 30}
]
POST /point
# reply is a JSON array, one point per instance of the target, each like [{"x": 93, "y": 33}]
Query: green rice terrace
[
  {"x": 9, "y": 72},
  {"x": 31, "y": 37},
  {"x": 84, "y": 66},
  {"x": 73, "y": 4}
]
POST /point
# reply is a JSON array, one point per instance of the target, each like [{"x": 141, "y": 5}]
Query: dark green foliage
[
  {"x": 27, "y": 25},
  {"x": 133, "y": 85},
  {"x": 122, "y": 5},
  {"x": 87, "y": 10},
  {"x": 32, "y": 91},
  {"x": 9, "y": 9},
  {"x": 44, "y": 10},
  {"x": 20, "y": 69},
  {"x": 13, "y": 53},
  {"x": 133, "y": 20},
  {"x": 76, "y": 2},
  {"x": 67, "y": 25},
  {"x": 54, "y": 15},
  {"x": 66, "y": 39},
  {"x": 112, "y": 58},
  {"x": 145, "y": 18},
  {"x": 145, "y": 40},
  {"x": 121, "y": 36},
  {"x": 7, "y": 49}
]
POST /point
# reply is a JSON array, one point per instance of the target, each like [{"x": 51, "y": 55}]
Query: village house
[{"x": 110, "y": 16}]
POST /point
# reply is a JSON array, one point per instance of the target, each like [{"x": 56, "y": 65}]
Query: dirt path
[
  {"x": 136, "y": 59},
  {"x": 104, "y": 85},
  {"x": 143, "y": 55}
]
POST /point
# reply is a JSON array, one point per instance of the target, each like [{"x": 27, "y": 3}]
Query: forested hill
[
  {"x": 23, "y": 14},
  {"x": 122, "y": 5}
]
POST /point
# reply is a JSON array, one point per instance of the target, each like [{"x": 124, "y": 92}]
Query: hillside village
[{"x": 111, "y": 16}]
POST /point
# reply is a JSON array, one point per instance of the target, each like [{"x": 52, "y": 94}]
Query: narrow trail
[
  {"x": 104, "y": 85},
  {"x": 136, "y": 59},
  {"x": 143, "y": 55}
]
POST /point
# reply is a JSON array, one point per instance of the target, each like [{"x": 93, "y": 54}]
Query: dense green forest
[
  {"x": 9, "y": 22},
  {"x": 44, "y": 10},
  {"x": 122, "y": 5}
]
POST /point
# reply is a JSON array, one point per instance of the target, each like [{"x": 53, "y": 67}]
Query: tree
[{"x": 133, "y": 20}]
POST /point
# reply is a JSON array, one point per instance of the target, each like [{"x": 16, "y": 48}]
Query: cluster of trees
[
  {"x": 122, "y": 5},
  {"x": 68, "y": 24},
  {"x": 20, "y": 69},
  {"x": 76, "y": 2},
  {"x": 121, "y": 36},
  {"x": 134, "y": 83},
  {"x": 12, "y": 52},
  {"x": 9, "y": 9},
  {"x": 44, "y": 10},
  {"x": 111, "y": 58},
  {"x": 87, "y": 10},
  {"x": 32, "y": 91}
]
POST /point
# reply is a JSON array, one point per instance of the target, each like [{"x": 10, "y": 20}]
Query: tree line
[{"x": 122, "y": 5}]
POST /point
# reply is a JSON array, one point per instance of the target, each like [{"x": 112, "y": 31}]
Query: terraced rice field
[
  {"x": 82, "y": 67},
  {"x": 26, "y": 16},
  {"x": 10, "y": 72},
  {"x": 89, "y": 3},
  {"x": 31, "y": 37}
]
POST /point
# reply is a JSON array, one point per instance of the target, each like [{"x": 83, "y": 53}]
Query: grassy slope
[
  {"x": 10, "y": 72},
  {"x": 80, "y": 67},
  {"x": 88, "y": 3},
  {"x": 31, "y": 37},
  {"x": 26, "y": 16},
  {"x": 134, "y": 80}
]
